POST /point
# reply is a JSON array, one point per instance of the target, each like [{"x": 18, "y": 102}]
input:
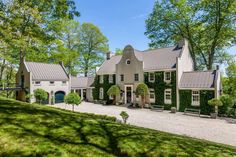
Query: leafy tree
[
  {"x": 124, "y": 116},
  {"x": 229, "y": 83},
  {"x": 118, "y": 52},
  {"x": 227, "y": 102},
  {"x": 73, "y": 99},
  {"x": 114, "y": 91},
  {"x": 209, "y": 26},
  {"x": 40, "y": 95},
  {"x": 91, "y": 48},
  {"x": 215, "y": 103},
  {"x": 142, "y": 90}
]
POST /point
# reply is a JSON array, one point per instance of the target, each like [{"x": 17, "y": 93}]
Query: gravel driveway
[{"x": 217, "y": 130}]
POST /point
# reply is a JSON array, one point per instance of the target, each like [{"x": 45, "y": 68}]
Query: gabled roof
[
  {"x": 156, "y": 59},
  {"x": 81, "y": 82},
  {"x": 44, "y": 71},
  {"x": 198, "y": 79}
]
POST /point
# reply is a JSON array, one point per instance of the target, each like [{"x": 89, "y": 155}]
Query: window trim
[
  {"x": 168, "y": 101},
  {"x": 37, "y": 83},
  {"x": 101, "y": 80},
  {"x": 137, "y": 77},
  {"x": 195, "y": 103},
  {"x": 101, "y": 96},
  {"x": 167, "y": 81},
  {"x": 122, "y": 76},
  {"x": 110, "y": 79},
  {"x": 150, "y": 77},
  {"x": 152, "y": 100},
  {"x": 128, "y": 60}
]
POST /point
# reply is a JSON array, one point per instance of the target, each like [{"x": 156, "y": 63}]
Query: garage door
[{"x": 59, "y": 97}]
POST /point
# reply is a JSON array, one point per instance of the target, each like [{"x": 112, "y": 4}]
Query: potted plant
[
  {"x": 215, "y": 103},
  {"x": 114, "y": 91},
  {"x": 124, "y": 116},
  {"x": 142, "y": 90},
  {"x": 173, "y": 110}
]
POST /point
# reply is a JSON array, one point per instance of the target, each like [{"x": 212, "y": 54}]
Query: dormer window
[{"x": 127, "y": 61}]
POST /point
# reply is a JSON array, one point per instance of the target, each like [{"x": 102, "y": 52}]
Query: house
[
  {"x": 168, "y": 72},
  {"x": 52, "y": 78}
]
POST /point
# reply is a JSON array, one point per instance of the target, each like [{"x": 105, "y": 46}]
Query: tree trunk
[
  {"x": 2, "y": 68},
  {"x": 114, "y": 100},
  {"x": 73, "y": 107},
  {"x": 142, "y": 97}
]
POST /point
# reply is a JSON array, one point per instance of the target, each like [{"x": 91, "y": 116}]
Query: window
[
  {"x": 152, "y": 95},
  {"x": 121, "y": 77},
  {"x": 195, "y": 98},
  {"x": 101, "y": 93},
  {"x": 168, "y": 96},
  {"x": 167, "y": 76},
  {"x": 151, "y": 77},
  {"x": 127, "y": 61},
  {"x": 38, "y": 83},
  {"x": 51, "y": 82},
  {"x": 137, "y": 98},
  {"x": 63, "y": 82},
  {"x": 136, "y": 77},
  {"x": 101, "y": 78},
  {"x": 110, "y": 78}
]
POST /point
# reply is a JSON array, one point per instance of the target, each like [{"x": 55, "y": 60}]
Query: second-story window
[
  {"x": 151, "y": 77},
  {"x": 38, "y": 83},
  {"x": 63, "y": 82},
  {"x": 167, "y": 77},
  {"x": 136, "y": 77},
  {"x": 52, "y": 82},
  {"x": 128, "y": 61},
  {"x": 101, "y": 78},
  {"x": 110, "y": 78},
  {"x": 121, "y": 77}
]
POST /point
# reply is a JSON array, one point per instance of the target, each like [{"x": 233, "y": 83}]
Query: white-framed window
[
  {"x": 64, "y": 82},
  {"x": 152, "y": 95},
  {"x": 136, "y": 77},
  {"x": 137, "y": 97},
  {"x": 167, "y": 76},
  {"x": 37, "y": 83},
  {"x": 127, "y": 61},
  {"x": 101, "y": 93},
  {"x": 52, "y": 82},
  {"x": 110, "y": 78},
  {"x": 195, "y": 98},
  {"x": 168, "y": 96},
  {"x": 151, "y": 77},
  {"x": 101, "y": 79},
  {"x": 121, "y": 77}
]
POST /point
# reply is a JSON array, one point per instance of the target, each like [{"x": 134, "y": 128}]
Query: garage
[{"x": 59, "y": 97}]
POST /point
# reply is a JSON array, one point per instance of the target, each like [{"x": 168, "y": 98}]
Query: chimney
[
  {"x": 217, "y": 67},
  {"x": 108, "y": 55},
  {"x": 180, "y": 44}
]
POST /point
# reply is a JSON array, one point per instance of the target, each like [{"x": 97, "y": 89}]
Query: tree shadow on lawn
[{"x": 41, "y": 131}]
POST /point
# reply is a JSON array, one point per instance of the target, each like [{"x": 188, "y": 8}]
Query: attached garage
[{"x": 59, "y": 97}]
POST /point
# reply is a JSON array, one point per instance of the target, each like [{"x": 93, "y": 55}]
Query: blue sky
[{"x": 121, "y": 21}]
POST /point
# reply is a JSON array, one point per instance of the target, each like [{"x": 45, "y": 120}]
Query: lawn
[{"x": 34, "y": 130}]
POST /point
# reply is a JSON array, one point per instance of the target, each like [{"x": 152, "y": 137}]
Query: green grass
[{"x": 33, "y": 130}]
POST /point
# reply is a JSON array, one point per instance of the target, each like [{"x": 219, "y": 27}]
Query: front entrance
[{"x": 128, "y": 94}]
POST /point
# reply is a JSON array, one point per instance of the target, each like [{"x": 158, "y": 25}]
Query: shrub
[
  {"x": 40, "y": 95},
  {"x": 114, "y": 91},
  {"x": 215, "y": 102},
  {"x": 142, "y": 90},
  {"x": 227, "y": 103},
  {"x": 72, "y": 99},
  {"x": 124, "y": 116}
]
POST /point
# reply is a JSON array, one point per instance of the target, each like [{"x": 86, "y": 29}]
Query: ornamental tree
[
  {"x": 215, "y": 102},
  {"x": 73, "y": 99},
  {"x": 142, "y": 90},
  {"x": 114, "y": 91},
  {"x": 124, "y": 116},
  {"x": 40, "y": 95}
]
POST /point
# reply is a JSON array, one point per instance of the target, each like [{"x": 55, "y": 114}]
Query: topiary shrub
[
  {"x": 124, "y": 116},
  {"x": 215, "y": 103},
  {"x": 142, "y": 90},
  {"x": 114, "y": 91},
  {"x": 73, "y": 99},
  {"x": 40, "y": 95}
]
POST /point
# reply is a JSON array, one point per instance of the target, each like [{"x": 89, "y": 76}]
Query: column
[{"x": 81, "y": 94}]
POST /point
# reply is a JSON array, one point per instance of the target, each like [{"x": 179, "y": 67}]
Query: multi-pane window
[
  {"x": 167, "y": 76},
  {"x": 110, "y": 78},
  {"x": 121, "y": 77},
  {"x": 51, "y": 82},
  {"x": 127, "y": 61},
  {"x": 152, "y": 95},
  {"x": 151, "y": 77},
  {"x": 37, "y": 83},
  {"x": 195, "y": 98},
  {"x": 136, "y": 77},
  {"x": 101, "y": 93},
  {"x": 168, "y": 96},
  {"x": 63, "y": 82},
  {"x": 101, "y": 78}
]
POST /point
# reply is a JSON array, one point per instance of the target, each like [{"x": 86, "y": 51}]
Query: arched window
[{"x": 127, "y": 61}]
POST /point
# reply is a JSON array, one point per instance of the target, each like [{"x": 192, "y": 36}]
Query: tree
[
  {"x": 73, "y": 99},
  {"x": 142, "y": 90},
  {"x": 208, "y": 26},
  {"x": 92, "y": 46},
  {"x": 215, "y": 103},
  {"x": 118, "y": 52},
  {"x": 40, "y": 95},
  {"x": 229, "y": 83},
  {"x": 124, "y": 116},
  {"x": 114, "y": 91}
]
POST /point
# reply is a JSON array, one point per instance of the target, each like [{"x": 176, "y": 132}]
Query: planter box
[
  {"x": 173, "y": 110},
  {"x": 213, "y": 115}
]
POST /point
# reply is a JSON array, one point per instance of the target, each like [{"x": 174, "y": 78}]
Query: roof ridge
[
  {"x": 42, "y": 63},
  {"x": 198, "y": 71},
  {"x": 158, "y": 48}
]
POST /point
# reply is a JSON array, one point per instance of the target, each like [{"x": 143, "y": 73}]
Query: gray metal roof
[
  {"x": 43, "y": 71},
  {"x": 81, "y": 82},
  {"x": 157, "y": 59},
  {"x": 197, "y": 79}
]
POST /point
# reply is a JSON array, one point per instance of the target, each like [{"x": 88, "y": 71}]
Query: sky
[{"x": 121, "y": 21}]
